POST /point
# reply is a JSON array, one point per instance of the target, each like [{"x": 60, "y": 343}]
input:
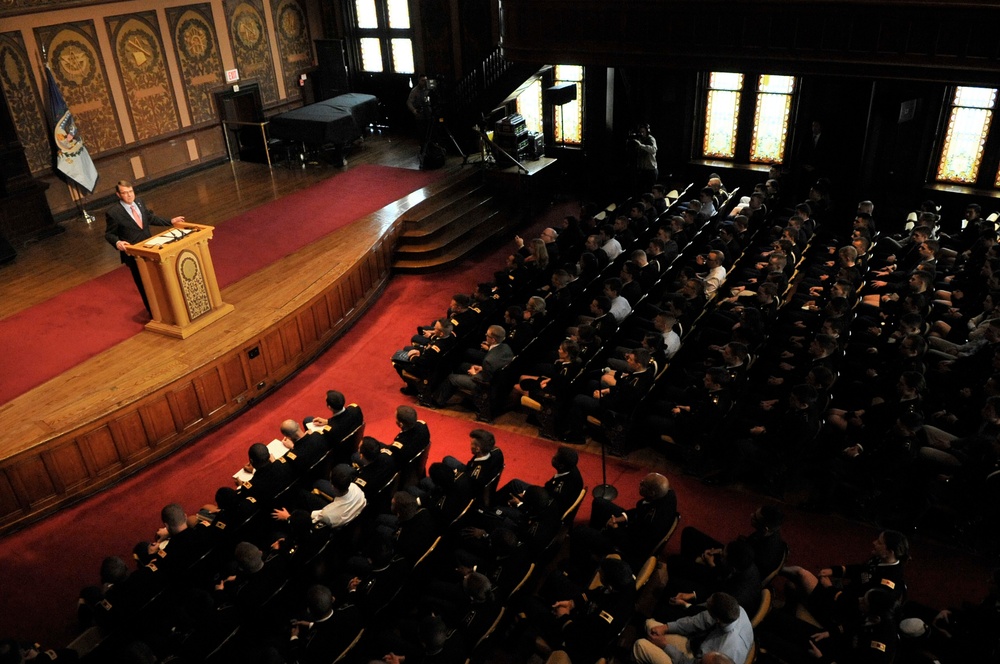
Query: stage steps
[{"x": 450, "y": 224}]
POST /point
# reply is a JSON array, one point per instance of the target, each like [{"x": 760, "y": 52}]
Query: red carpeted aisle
[
  {"x": 42, "y": 342},
  {"x": 44, "y": 565}
]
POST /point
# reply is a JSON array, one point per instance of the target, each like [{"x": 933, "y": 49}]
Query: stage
[{"x": 124, "y": 408}]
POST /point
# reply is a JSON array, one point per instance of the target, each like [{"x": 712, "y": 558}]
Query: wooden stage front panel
[{"x": 150, "y": 395}]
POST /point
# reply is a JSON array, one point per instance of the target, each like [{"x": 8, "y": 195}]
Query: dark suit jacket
[
  {"x": 121, "y": 225},
  {"x": 496, "y": 359}
]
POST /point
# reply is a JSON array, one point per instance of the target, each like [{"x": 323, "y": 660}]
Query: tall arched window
[
  {"x": 965, "y": 139},
  {"x": 772, "y": 109}
]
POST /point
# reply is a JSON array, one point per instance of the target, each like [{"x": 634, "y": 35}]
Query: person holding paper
[{"x": 130, "y": 222}]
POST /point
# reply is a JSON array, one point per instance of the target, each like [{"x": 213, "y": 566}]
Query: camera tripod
[{"x": 436, "y": 130}]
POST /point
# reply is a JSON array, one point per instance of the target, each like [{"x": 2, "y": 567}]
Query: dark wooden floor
[{"x": 45, "y": 268}]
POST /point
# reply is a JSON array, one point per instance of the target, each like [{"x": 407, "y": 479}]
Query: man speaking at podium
[{"x": 130, "y": 222}]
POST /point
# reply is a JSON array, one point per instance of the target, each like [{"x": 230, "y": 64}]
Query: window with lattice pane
[
  {"x": 722, "y": 114},
  {"x": 968, "y": 126},
  {"x": 770, "y": 122},
  {"x": 383, "y": 36},
  {"x": 569, "y": 117}
]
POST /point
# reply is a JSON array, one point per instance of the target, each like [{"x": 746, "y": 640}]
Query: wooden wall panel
[
  {"x": 196, "y": 44},
  {"x": 67, "y": 467},
  {"x": 24, "y": 101},
  {"x": 185, "y": 406},
  {"x": 211, "y": 391},
  {"x": 257, "y": 365},
  {"x": 292, "y": 338},
  {"x": 252, "y": 45},
  {"x": 9, "y": 503},
  {"x": 98, "y": 447},
  {"x": 159, "y": 421},
  {"x": 31, "y": 481},
  {"x": 307, "y": 326},
  {"x": 291, "y": 30},
  {"x": 163, "y": 158},
  {"x": 336, "y": 300},
  {"x": 235, "y": 376},
  {"x": 130, "y": 436},
  {"x": 322, "y": 316},
  {"x": 274, "y": 351}
]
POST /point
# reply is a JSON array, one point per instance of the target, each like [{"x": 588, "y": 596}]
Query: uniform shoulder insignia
[
  {"x": 252, "y": 499},
  {"x": 152, "y": 567},
  {"x": 105, "y": 604},
  {"x": 888, "y": 583},
  {"x": 435, "y": 348},
  {"x": 360, "y": 482},
  {"x": 454, "y": 322},
  {"x": 161, "y": 553},
  {"x": 51, "y": 654},
  {"x": 398, "y": 445},
  {"x": 606, "y": 617},
  {"x": 247, "y": 485},
  {"x": 386, "y": 451},
  {"x": 352, "y": 405},
  {"x": 290, "y": 455},
  {"x": 221, "y": 525},
  {"x": 878, "y": 645}
]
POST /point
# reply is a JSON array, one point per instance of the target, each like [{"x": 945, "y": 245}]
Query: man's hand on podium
[{"x": 177, "y": 221}]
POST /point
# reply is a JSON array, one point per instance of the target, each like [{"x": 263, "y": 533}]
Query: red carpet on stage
[
  {"x": 47, "y": 339},
  {"x": 46, "y": 564}
]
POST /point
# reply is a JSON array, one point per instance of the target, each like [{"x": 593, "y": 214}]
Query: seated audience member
[
  {"x": 835, "y": 592},
  {"x": 308, "y": 447},
  {"x": 413, "y": 438},
  {"x": 343, "y": 421},
  {"x": 338, "y": 502},
  {"x": 564, "y": 486},
  {"x": 634, "y": 533},
  {"x": 270, "y": 475},
  {"x": 471, "y": 377},
  {"x": 421, "y": 360},
  {"x": 723, "y": 627},
  {"x": 616, "y": 392}
]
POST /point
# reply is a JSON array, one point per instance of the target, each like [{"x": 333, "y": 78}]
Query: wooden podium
[{"x": 179, "y": 278}]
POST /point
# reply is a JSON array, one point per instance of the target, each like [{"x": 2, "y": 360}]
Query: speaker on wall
[
  {"x": 560, "y": 94},
  {"x": 331, "y": 70}
]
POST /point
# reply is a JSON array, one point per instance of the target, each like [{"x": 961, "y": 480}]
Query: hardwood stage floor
[{"x": 52, "y": 265}]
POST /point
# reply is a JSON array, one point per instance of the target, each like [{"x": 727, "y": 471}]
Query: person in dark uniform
[{"x": 130, "y": 222}]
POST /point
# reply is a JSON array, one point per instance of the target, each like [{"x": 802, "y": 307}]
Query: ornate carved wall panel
[
  {"x": 24, "y": 101},
  {"x": 292, "y": 32},
  {"x": 143, "y": 72},
  {"x": 197, "y": 48},
  {"x": 79, "y": 71},
  {"x": 251, "y": 45}
]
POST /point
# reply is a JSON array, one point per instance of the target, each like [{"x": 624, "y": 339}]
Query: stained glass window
[
  {"x": 722, "y": 114},
  {"x": 968, "y": 125},
  {"x": 569, "y": 117},
  {"x": 770, "y": 122},
  {"x": 384, "y": 36},
  {"x": 529, "y": 106}
]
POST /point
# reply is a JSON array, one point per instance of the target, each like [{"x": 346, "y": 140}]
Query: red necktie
[{"x": 135, "y": 214}]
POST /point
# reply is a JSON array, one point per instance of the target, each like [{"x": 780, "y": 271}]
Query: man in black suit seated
[
  {"x": 413, "y": 437},
  {"x": 270, "y": 476},
  {"x": 634, "y": 532},
  {"x": 129, "y": 222},
  {"x": 308, "y": 447},
  {"x": 344, "y": 419},
  {"x": 564, "y": 486}
]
